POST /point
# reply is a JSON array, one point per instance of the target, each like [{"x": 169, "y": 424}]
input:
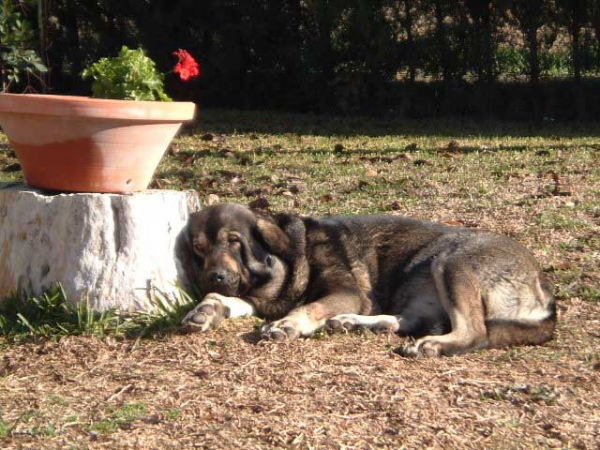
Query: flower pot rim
[{"x": 98, "y": 108}]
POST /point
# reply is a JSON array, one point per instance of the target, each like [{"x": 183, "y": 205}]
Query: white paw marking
[
  {"x": 236, "y": 306},
  {"x": 354, "y": 321}
]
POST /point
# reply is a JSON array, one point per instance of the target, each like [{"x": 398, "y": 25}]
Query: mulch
[{"x": 226, "y": 389}]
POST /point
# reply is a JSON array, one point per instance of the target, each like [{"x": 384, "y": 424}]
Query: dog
[{"x": 453, "y": 289}]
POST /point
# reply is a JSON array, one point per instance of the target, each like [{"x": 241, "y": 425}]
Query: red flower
[{"x": 187, "y": 67}]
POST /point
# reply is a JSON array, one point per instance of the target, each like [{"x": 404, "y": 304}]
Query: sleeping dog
[{"x": 453, "y": 289}]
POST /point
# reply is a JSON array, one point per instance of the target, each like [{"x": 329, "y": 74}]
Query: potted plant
[{"x": 111, "y": 144}]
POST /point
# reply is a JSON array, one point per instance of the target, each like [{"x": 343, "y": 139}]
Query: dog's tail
[{"x": 506, "y": 333}]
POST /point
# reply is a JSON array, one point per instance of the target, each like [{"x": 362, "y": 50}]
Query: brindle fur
[{"x": 455, "y": 289}]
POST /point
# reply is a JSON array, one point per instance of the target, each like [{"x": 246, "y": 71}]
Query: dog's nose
[{"x": 217, "y": 277}]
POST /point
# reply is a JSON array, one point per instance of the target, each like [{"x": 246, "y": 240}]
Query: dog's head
[{"x": 241, "y": 253}]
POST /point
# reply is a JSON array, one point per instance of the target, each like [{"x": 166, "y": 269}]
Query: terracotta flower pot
[{"x": 81, "y": 144}]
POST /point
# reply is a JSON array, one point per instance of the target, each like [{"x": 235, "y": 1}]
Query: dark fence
[{"x": 417, "y": 58}]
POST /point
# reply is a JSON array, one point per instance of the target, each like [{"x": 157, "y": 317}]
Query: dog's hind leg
[{"x": 460, "y": 293}]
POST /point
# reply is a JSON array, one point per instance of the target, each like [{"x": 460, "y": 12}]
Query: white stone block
[{"x": 116, "y": 250}]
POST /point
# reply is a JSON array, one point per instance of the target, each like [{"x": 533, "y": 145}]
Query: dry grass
[{"x": 225, "y": 389}]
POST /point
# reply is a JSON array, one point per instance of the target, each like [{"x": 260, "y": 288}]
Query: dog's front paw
[
  {"x": 350, "y": 322},
  {"x": 427, "y": 348},
  {"x": 344, "y": 322},
  {"x": 206, "y": 316},
  {"x": 281, "y": 330}
]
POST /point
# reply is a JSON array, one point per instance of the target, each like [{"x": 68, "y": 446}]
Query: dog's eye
[
  {"x": 269, "y": 261},
  {"x": 232, "y": 239}
]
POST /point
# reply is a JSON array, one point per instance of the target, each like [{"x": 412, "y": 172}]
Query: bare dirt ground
[{"x": 227, "y": 389}]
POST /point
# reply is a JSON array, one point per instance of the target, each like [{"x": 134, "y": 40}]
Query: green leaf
[{"x": 39, "y": 65}]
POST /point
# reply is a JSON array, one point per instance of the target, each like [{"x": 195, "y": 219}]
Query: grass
[
  {"x": 172, "y": 414},
  {"x": 4, "y": 429},
  {"x": 119, "y": 418},
  {"x": 73, "y": 379},
  {"x": 51, "y": 316}
]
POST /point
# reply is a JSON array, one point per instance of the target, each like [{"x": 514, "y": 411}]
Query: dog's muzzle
[{"x": 221, "y": 281}]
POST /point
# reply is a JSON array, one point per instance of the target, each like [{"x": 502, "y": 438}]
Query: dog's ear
[
  {"x": 187, "y": 263},
  {"x": 274, "y": 237}
]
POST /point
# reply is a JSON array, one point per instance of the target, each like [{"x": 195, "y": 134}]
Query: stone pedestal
[{"x": 116, "y": 250}]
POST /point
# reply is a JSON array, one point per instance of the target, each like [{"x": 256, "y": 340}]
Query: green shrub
[
  {"x": 511, "y": 61},
  {"x": 17, "y": 59},
  {"x": 557, "y": 62},
  {"x": 131, "y": 76}
]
